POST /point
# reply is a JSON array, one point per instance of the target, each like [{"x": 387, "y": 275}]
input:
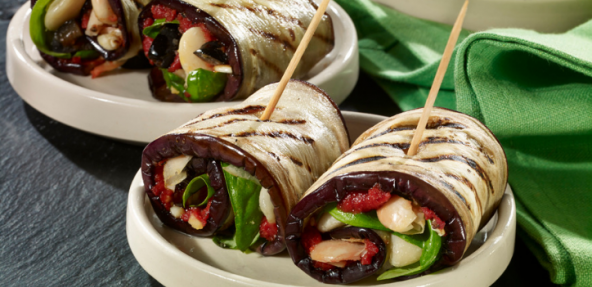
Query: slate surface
[{"x": 64, "y": 194}]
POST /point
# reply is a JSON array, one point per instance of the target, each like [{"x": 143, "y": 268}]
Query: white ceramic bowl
[
  {"x": 550, "y": 16},
  {"x": 176, "y": 259},
  {"x": 120, "y": 105}
]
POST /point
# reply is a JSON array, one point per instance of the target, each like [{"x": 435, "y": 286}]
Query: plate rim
[
  {"x": 505, "y": 229},
  {"x": 19, "y": 63}
]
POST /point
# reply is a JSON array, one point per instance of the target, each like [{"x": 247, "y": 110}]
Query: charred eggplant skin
[
  {"x": 214, "y": 150},
  {"x": 401, "y": 184},
  {"x": 217, "y": 30}
]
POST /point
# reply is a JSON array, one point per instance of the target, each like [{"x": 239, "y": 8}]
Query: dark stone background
[{"x": 64, "y": 194}]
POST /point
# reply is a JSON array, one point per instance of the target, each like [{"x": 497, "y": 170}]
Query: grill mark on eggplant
[
  {"x": 431, "y": 125},
  {"x": 275, "y": 38},
  {"x": 471, "y": 163},
  {"x": 284, "y": 121},
  {"x": 296, "y": 161},
  {"x": 402, "y": 146},
  {"x": 267, "y": 62},
  {"x": 438, "y": 140},
  {"x": 274, "y": 155},
  {"x": 405, "y": 146},
  {"x": 323, "y": 38},
  {"x": 273, "y": 134},
  {"x": 358, "y": 161},
  {"x": 253, "y": 109},
  {"x": 470, "y": 185},
  {"x": 292, "y": 34},
  {"x": 391, "y": 130},
  {"x": 269, "y": 11},
  {"x": 451, "y": 188}
]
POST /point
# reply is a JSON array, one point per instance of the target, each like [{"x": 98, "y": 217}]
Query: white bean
[
  {"x": 337, "y": 250},
  {"x": 177, "y": 211},
  {"x": 327, "y": 223},
  {"x": 60, "y": 11},
  {"x": 397, "y": 214},
  {"x": 402, "y": 252},
  {"x": 111, "y": 40},
  {"x": 174, "y": 170},
  {"x": 266, "y": 205},
  {"x": 192, "y": 40},
  {"x": 94, "y": 26}
]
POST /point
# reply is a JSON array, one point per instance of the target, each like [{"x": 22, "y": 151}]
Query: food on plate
[
  {"x": 85, "y": 36},
  {"x": 377, "y": 211},
  {"x": 229, "y": 174},
  {"x": 211, "y": 50}
]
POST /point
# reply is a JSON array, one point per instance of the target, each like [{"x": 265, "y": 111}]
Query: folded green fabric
[{"x": 534, "y": 91}]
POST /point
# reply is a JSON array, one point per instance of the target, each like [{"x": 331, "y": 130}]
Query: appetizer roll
[
  {"x": 230, "y": 174},
  {"x": 214, "y": 50},
  {"x": 379, "y": 211},
  {"x": 85, "y": 36}
]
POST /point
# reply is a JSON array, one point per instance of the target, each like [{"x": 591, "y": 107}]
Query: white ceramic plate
[
  {"x": 121, "y": 106},
  {"x": 176, "y": 259},
  {"x": 549, "y": 16}
]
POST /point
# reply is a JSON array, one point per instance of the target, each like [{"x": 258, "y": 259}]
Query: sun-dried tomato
[
  {"x": 310, "y": 237},
  {"x": 147, "y": 23},
  {"x": 176, "y": 65},
  {"x": 371, "y": 250},
  {"x": 202, "y": 214},
  {"x": 161, "y": 11},
  {"x": 437, "y": 223},
  {"x": 268, "y": 230},
  {"x": 364, "y": 201}
]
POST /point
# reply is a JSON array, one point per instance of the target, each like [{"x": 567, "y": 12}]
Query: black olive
[
  {"x": 64, "y": 39},
  {"x": 164, "y": 46},
  {"x": 213, "y": 52}
]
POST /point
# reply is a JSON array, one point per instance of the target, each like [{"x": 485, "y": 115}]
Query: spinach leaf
[
  {"x": 172, "y": 80},
  {"x": 203, "y": 84},
  {"x": 87, "y": 54},
  {"x": 153, "y": 30},
  {"x": 38, "y": 31},
  {"x": 244, "y": 197},
  {"x": 194, "y": 186},
  {"x": 430, "y": 251},
  {"x": 228, "y": 241},
  {"x": 370, "y": 220}
]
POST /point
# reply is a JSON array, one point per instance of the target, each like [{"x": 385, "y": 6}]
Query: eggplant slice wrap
[
  {"x": 377, "y": 211},
  {"x": 86, "y": 36},
  {"x": 214, "y": 50},
  {"x": 229, "y": 174}
]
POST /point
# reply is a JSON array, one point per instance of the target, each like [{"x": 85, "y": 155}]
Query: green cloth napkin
[{"x": 534, "y": 91}]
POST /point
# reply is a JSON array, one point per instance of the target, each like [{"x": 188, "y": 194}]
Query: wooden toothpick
[
  {"x": 427, "y": 109},
  {"x": 295, "y": 59}
]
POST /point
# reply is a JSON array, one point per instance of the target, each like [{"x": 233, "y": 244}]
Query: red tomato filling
[
  {"x": 371, "y": 250},
  {"x": 202, "y": 214},
  {"x": 357, "y": 202},
  {"x": 168, "y": 197},
  {"x": 364, "y": 201},
  {"x": 161, "y": 11},
  {"x": 310, "y": 237},
  {"x": 268, "y": 230},
  {"x": 176, "y": 65},
  {"x": 437, "y": 223}
]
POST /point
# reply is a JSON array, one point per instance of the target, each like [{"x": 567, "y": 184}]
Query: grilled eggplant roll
[
  {"x": 214, "y": 50},
  {"x": 227, "y": 166},
  {"x": 85, "y": 36},
  {"x": 378, "y": 211}
]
